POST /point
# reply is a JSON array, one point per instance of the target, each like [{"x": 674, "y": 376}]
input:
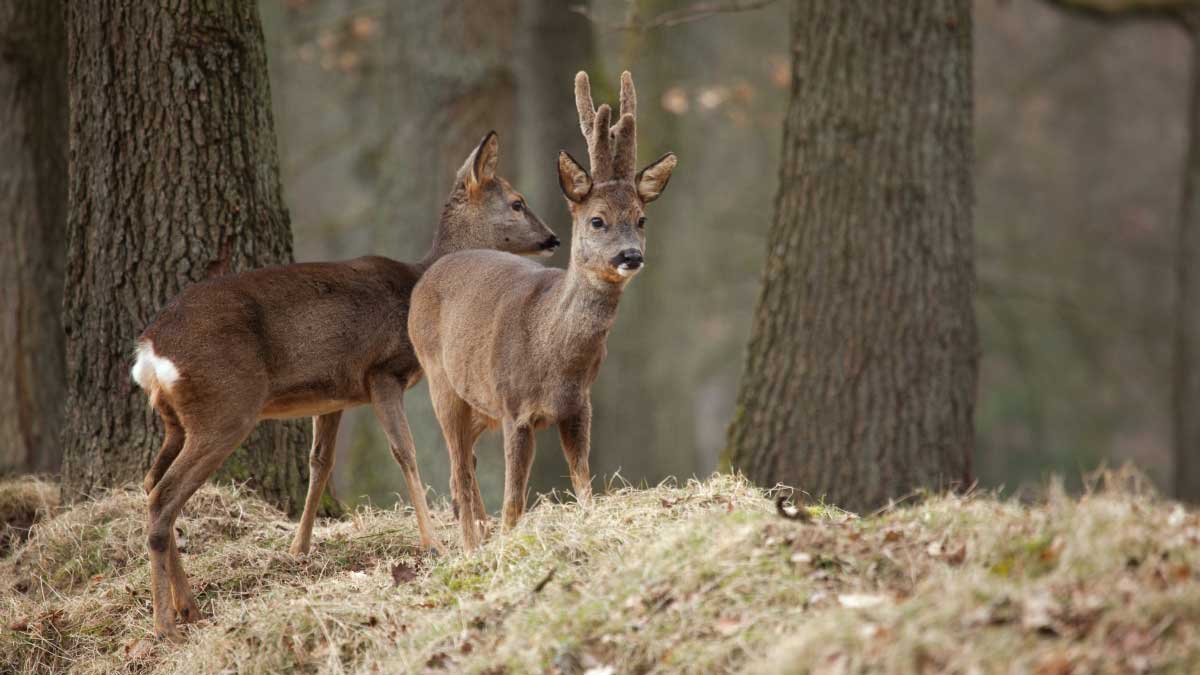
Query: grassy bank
[{"x": 704, "y": 577}]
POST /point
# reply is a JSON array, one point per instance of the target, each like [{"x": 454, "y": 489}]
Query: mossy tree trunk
[
  {"x": 33, "y": 217},
  {"x": 174, "y": 178},
  {"x": 860, "y": 380}
]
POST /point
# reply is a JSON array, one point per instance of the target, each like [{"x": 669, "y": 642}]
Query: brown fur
[
  {"x": 506, "y": 342},
  {"x": 308, "y": 339}
]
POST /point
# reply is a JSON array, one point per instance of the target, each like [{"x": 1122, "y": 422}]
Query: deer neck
[
  {"x": 451, "y": 231},
  {"x": 585, "y": 309}
]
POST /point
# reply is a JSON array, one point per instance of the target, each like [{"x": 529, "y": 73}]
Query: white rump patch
[{"x": 150, "y": 368}]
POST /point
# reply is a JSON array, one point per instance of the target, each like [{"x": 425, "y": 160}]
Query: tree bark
[
  {"x": 449, "y": 81},
  {"x": 1186, "y": 385},
  {"x": 860, "y": 379},
  {"x": 174, "y": 177},
  {"x": 33, "y": 170}
]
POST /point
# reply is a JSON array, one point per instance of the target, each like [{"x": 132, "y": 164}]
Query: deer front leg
[
  {"x": 575, "y": 434},
  {"x": 387, "y": 398},
  {"x": 320, "y": 466},
  {"x": 518, "y": 460}
]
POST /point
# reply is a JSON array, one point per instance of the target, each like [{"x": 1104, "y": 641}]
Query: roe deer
[
  {"x": 308, "y": 339},
  {"x": 506, "y": 342}
]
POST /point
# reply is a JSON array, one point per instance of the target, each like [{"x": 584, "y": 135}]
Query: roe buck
[
  {"x": 506, "y": 342},
  {"x": 300, "y": 340}
]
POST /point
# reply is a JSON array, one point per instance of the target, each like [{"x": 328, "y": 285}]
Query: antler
[{"x": 612, "y": 150}]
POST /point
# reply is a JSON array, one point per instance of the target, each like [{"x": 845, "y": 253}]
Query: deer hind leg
[
  {"x": 477, "y": 507},
  {"x": 387, "y": 398},
  {"x": 172, "y": 444},
  {"x": 518, "y": 460},
  {"x": 203, "y": 452},
  {"x": 455, "y": 417},
  {"x": 320, "y": 463},
  {"x": 186, "y": 609},
  {"x": 575, "y": 434}
]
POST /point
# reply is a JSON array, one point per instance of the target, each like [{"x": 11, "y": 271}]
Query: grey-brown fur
[
  {"x": 299, "y": 340},
  {"x": 508, "y": 343}
]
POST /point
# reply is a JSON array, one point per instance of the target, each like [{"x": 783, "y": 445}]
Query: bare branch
[
  {"x": 1173, "y": 10},
  {"x": 675, "y": 17}
]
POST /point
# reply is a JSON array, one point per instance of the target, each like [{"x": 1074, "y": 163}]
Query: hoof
[
  {"x": 171, "y": 635},
  {"x": 189, "y": 613}
]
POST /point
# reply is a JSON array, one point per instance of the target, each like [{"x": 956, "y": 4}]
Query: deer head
[
  {"x": 608, "y": 204},
  {"x": 486, "y": 211}
]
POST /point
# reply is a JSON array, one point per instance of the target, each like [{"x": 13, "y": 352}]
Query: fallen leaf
[
  {"x": 403, "y": 573},
  {"x": 437, "y": 660},
  {"x": 20, "y": 625},
  {"x": 728, "y": 626},
  {"x": 860, "y": 600},
  {"x": 957, "y": 556},
  {"x": 891, "y": 535},
  {"x": 138, "y": 649},
  {"x": 1039, "y": 613}
]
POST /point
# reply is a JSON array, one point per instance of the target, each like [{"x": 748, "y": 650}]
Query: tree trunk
[
  {"x": 33, "y": 215},
  {"x": 555, "y": 44},
  {"x": 860, "y": 380},
  {"x": 450, "y": 81},
  {"x": 173, "y": 178},
  {"x": 1187, "y": 328}
]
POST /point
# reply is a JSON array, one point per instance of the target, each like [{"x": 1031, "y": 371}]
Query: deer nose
[
  {"x": 551, "y": 243},
  {"x": 629, "y": 259}
]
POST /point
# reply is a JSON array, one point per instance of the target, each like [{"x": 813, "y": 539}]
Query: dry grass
[
  {"x": 23, "y": 502},
  {"x": 704, "y": 577}
]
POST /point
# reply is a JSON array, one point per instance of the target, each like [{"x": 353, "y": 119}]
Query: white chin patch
[
  {"x": 546, "y": 253},
  {"x": 626, "y": 271}
]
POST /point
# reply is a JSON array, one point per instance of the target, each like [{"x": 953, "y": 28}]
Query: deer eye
[
  {"x": 518, "y": 206},
  {"x": 642, "y": 222},
  {"x": 597, "y": 223}
]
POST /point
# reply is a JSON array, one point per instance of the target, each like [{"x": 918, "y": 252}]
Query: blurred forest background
[
  {"x": 1080, "y": 137},
  {"x": 1080, "y": 141}
]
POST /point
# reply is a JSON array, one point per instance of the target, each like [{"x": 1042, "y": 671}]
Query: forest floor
[{"x": 703, "y": 577}]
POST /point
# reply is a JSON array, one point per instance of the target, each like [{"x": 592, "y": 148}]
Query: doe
[{"x": 308, "y": 339}]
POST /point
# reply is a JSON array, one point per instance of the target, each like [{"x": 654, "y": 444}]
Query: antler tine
[
  {"x": 600, "y": 145},
  {"x": 583, "y": 103},
  {"x": 624, "y": 137},
  {"x": 628, "y": 95}
]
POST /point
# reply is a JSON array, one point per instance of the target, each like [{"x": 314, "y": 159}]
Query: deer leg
[
  {"x": 518, "y": 460},
  {"x": 320, "y": 463},
  {"x": 387, "y": 398},
  {"x": 202, "y": 454},
  {"x": 575, "y": 434},
  {"x": 454, "y": 415},
  {"x": 172, "y": 444},
  {"x": 479, "y": 511},
  {"x": 186, "y": 609}
]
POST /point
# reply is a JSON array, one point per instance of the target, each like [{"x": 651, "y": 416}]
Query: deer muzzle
[{"x": 628, "y": 262}]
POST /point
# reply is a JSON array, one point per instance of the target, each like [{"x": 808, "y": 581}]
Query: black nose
[
  {"x": 551, "y": 243},
  {"x": 630, "y": 258}
]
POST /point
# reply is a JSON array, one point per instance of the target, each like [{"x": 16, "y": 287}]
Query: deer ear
[
  {"x": 480, "y": 167},
  {"x": 652, "y": 180},
  {"x": 574, "y": 180}
]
